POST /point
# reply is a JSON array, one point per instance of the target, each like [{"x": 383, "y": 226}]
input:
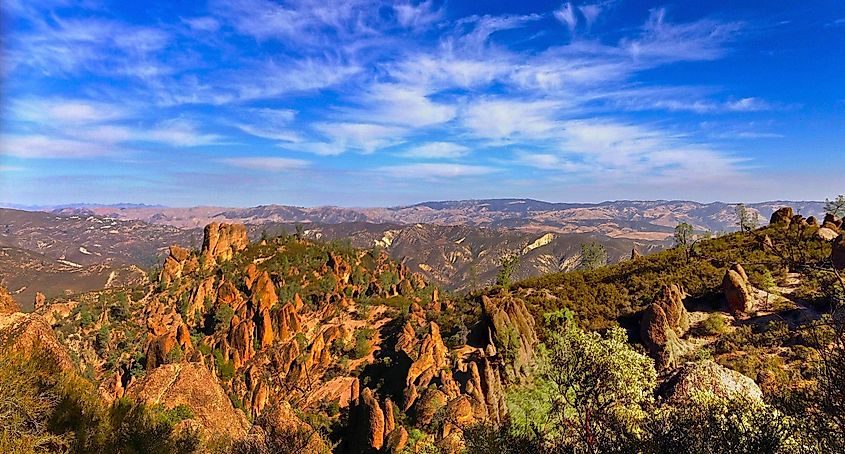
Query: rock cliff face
[
  {"x": 663, "y": 324},
  {"x": 737, "y": 290},
  {"x": 192, "y": 385}
]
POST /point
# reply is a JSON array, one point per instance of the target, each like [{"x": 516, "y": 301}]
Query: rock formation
[
  {"x": 179, "y": 262},
  {"x": 40, "y": 300},
  {"x": 831, "y": 222},
  {"x": 30, "y": 334},
  {"x": 509, "y": 325},
  {"x": 366, "y": 424},
  {"x": 737, "y": 290},
  {"x": 635, "y": 254},
  {"x": 7, "y": 303},
  {"x": 709, "y": 377},
  {"x": 782, "y": 217},
  {"x": 837, "y": 252},
  {"x": 663, "y": 324},
  {"x": 221, "y": 241},
  {"x": 194, "y": 386}
]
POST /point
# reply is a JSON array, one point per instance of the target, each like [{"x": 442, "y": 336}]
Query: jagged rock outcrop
[
  {"x": 837, "y": 252},
  {"x": 635, "y": 254},
  {"x": 737, "y": 290},
  {"x": 221, "y": 241},
  {"x": 195, "y": 387},
  {"x": 7, "y": 303},
  {"x": 663, "y": 324},
  {"x": 509, "y": 325},
  {"x": 178, "y": 263},
  {"x": 782, "y": 217},
  {"x": 709, "y": 377},
  {"x": 366, "y": 430},
  {"x": 40, "y": 300},
  {"x": 429, "y": 362}
]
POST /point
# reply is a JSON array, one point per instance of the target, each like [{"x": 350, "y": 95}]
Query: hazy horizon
[{"x": 10, "y": 205}]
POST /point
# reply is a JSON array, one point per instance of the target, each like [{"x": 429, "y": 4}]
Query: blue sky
[{"x": 372, "y": 103}]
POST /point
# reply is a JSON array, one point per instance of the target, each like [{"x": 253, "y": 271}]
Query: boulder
[
  {"x": 396, "y": 440},
  {"x": 837, "y": 252},
  {"x": 709, "y": 377},
  {"x": 812, "y": 221},
  {"x": 781, "y": 217},
  {"x": 737, "y": 290},
  {"x": 30, "y": 334},
  {"x": 827, "y": 233},
  {"x": 663, "y": 324},
  {"x": 195, "y": 387}
]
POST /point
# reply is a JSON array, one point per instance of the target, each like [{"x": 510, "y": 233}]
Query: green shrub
[
  {"x": 713, "y": 325},
  {"x": 363, "y": 345}
]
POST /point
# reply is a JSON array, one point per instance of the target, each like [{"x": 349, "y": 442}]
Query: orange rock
[
  {"x": 221, "y": 241},
  {"x": 264, "y": 293},
  {"x": 265, "y": 329}
]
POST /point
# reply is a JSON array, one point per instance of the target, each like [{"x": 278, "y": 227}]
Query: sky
[{"x": 381, "y": 103}]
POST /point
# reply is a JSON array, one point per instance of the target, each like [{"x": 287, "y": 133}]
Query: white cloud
[
  {"x": 436, "y": 170},
  {"x": 511, "y": 119},
  {"x": 441, "y": 71},
  {"x": 273, "y": 164},
  {"x": 179, "y": 133},
  {"x": 58, "y": 111},
  {"x": 437, "y": 150},
  {"x": 749, "y": 105},
  {"x": 43, "y": 147},
  {"x": 362, "y": 137},
  {"x": 403, "y": 106},
  {"x": 663, "y": 41},
  {"x": 274, "y": 124},
  {"x": 566, "y": 14},
  {"x": 416, "y": 16},
  {"x": 203, "y": 24}
]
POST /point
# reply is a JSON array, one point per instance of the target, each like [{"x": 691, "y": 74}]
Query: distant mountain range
[
  {"x": 653, "y": 220},
  {"x": 456, "y": 244}
]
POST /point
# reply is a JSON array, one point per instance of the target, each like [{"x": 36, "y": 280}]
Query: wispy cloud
[
  {"x": 511, "y": 119},
  {"x": 44, "y": 147},
  {"x": 437, "y": 150},
  {"x": 270, "y": 164},
  {"x": 435, "y": 170}
]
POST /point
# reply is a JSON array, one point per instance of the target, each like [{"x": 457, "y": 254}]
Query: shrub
[
  {"x": 713, "y": 325},
  {"x": 363, "y": 345}
]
